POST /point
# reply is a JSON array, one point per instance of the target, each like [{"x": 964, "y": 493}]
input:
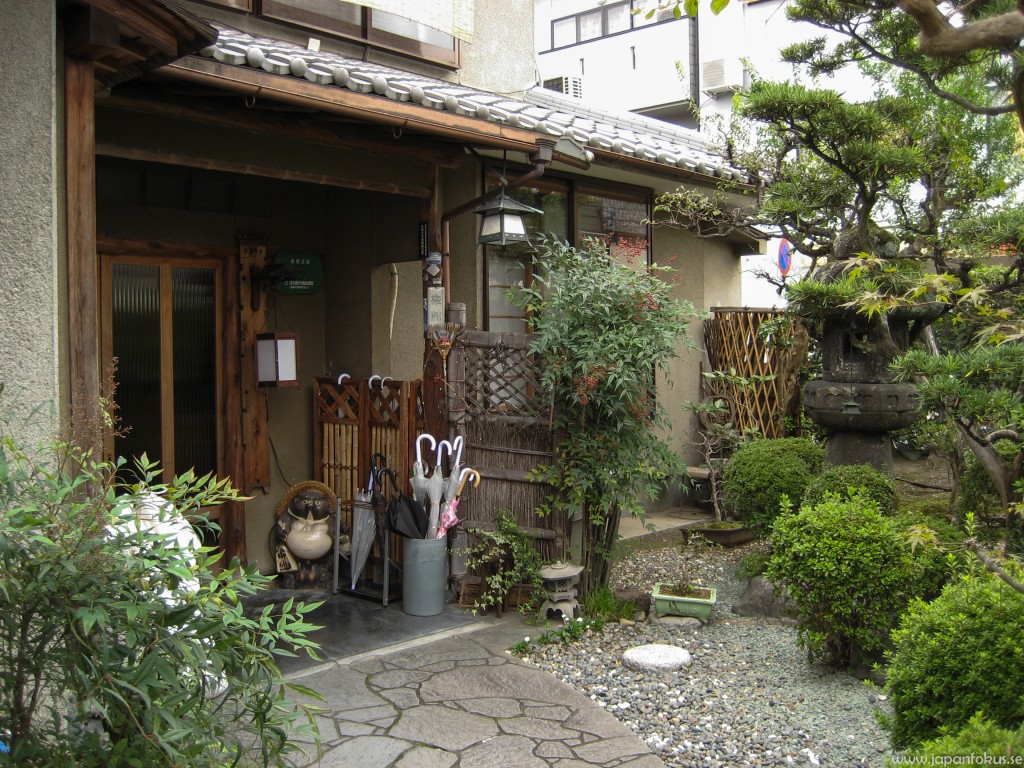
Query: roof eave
[{"x": 367, "y": 107}]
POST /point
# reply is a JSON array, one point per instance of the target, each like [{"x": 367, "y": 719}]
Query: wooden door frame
[{"x": 229, "y": 453}]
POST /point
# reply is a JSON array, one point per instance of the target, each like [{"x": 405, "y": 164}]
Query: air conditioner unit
[
  {"x": 721, "y": 76},
  {"x": 570, "y": 85}
]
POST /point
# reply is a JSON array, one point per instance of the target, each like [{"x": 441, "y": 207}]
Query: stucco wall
[
  {"x": 29, "y": 207},
  {"x": 501, "y": 56}
]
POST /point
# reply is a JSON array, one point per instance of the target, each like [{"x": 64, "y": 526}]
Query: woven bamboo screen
[
  {"x": 502, "y": 411},
  {"x": 732, "y": 345}
]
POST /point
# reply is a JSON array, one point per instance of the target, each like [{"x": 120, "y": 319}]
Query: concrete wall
[{"x": 29, "y": 209}]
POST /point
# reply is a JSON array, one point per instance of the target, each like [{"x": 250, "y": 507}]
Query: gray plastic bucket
[{"x": 423, "y": 575}]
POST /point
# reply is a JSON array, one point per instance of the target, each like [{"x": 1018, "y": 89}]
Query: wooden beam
[
  {"x": 158, "y": 26},
  {"x": 90, "y": 32},
  {"x": 82, "y": 272},
  {"x": 316, "y": 128},
  {"x": 256, "y": 169}
]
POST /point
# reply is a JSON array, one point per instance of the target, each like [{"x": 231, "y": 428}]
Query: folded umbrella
[
  {"x": 419, "y": 470},
  {"x": 451, "y": 487},
  {"x": 405, "y": 516},
  {"x": 448, "y": 518},
  {"x": 364, "y": 530},
  {"x": 435, "y": 490}
]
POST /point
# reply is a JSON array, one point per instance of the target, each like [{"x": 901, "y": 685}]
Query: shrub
[
  {"x": 848, "y": 570},
  {"x": 760, "y": 473},
  {"x": 954, "y": 657},
  {"x": 753, "y": 564},
  {"x": 809, "y": 452},
  {"x": 844, "y": 479},
  {"x": 980, "y": 737},
  {"x": 120, "y": 645},
  {"x": 935, "y": 563}
]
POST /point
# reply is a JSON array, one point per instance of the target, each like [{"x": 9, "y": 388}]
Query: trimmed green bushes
[
  {"x": 957, "y": 656},
  {"x": 849, "y": 572},
  {"x": 844, "y": 479},
  {"x": 980, "y": 737},
  {"x": 760, "y": 473}
]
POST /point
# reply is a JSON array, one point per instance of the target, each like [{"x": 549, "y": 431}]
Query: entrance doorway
[{"x": 162, "y": 322}]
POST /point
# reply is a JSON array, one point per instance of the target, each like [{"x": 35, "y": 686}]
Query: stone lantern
[
  {"x": 856, "y": 399},
  {"x": 560, "y": 581}
]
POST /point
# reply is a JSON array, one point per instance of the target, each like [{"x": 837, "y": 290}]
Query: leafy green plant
[
  {"x": 846, "y": 479},
  {"x": 848, "y": 570},
  {"x": 602, "y": 605},
  {"x": 955, "y": 657},
  {"x": 510, "y": 559},
  {"x": 938, "y": 557},
  {"x": 980, "y": 737},
  {"x": 120, "y": 643},
  {"x": 603, "y": 329},
  {"x": 753, "y": 564},
  {"x": 761, "y": 473}
]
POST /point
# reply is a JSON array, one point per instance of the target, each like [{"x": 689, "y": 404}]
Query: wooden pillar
[
  {"x": 82, "y": 272},
  {"x": 456, "y": 388}
]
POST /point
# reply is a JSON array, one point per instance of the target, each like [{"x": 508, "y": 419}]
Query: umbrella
[
  {"x": 435, "y": 490},
  {"x": 364, "y": 530},
  {"x": 452, "y": 486},
  {"x": 419, "y": 469},
  {"x": 448, "y": 518},
  {"x": 404, "y": 516}
]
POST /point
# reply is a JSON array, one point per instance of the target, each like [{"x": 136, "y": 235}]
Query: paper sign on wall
[{"x": 435, "y": 306}]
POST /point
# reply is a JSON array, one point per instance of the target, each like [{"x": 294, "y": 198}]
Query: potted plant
[
  {"x": 508, "y": 563},
  {"x": 684, "y": 597},
  {"x": 725, "y": 533}
]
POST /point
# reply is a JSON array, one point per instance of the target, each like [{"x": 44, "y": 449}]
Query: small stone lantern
[{"x": 560, "y": 585}]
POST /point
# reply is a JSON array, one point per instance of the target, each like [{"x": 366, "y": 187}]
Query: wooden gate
[{"x": 497, "y": 405}]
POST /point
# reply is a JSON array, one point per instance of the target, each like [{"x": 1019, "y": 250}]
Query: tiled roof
[{"x": 542, "y": 111}]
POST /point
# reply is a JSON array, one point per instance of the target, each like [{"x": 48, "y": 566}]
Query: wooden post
[
  {"x": 83, "y": 279},
  {"x": 255, "y": 427},
  {"x": 456, "y": 389}
]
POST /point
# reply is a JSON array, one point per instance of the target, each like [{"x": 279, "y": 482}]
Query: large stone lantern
[{"x": 856, "y": 399}]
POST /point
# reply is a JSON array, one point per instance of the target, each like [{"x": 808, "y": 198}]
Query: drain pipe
[{"x": 541, "y": 158}]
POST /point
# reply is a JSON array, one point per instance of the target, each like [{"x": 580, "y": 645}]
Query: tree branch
[
  {"x": 941, "y": 39},
  {"x": 992, "y": 566}
]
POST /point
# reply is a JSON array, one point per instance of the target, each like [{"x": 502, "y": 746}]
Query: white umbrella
[
  {"x": 419, "y": 469},
  {"x": 435, "y": 490},
  {"x": 451, "y": 487}
]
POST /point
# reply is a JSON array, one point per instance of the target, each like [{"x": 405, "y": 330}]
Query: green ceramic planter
[{"x": 671, "y": 605}]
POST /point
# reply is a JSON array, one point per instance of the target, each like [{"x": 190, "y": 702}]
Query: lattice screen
[
  {"x": 502, "y": 380},
  {"x": 732, "y": 344}
]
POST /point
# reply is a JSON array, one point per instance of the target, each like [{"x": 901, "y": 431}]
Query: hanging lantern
[{"x": 503, "y": 222}]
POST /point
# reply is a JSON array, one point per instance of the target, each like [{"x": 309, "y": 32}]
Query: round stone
[{"x": 656, "y": 657}]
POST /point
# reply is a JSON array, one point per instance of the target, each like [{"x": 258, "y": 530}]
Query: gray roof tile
[{"x": 540, "y": 110}]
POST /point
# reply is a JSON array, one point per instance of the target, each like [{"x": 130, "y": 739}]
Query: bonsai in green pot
[{"x": 684, "y": 597}]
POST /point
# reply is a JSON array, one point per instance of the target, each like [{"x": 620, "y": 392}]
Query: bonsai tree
[{"x": 602, "y": 330}]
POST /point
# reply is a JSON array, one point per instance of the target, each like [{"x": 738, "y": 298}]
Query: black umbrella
[{"x": 405, "y": 515}]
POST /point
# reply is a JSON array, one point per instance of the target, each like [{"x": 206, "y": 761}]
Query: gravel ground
[{"x": 749, "y": 697}]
